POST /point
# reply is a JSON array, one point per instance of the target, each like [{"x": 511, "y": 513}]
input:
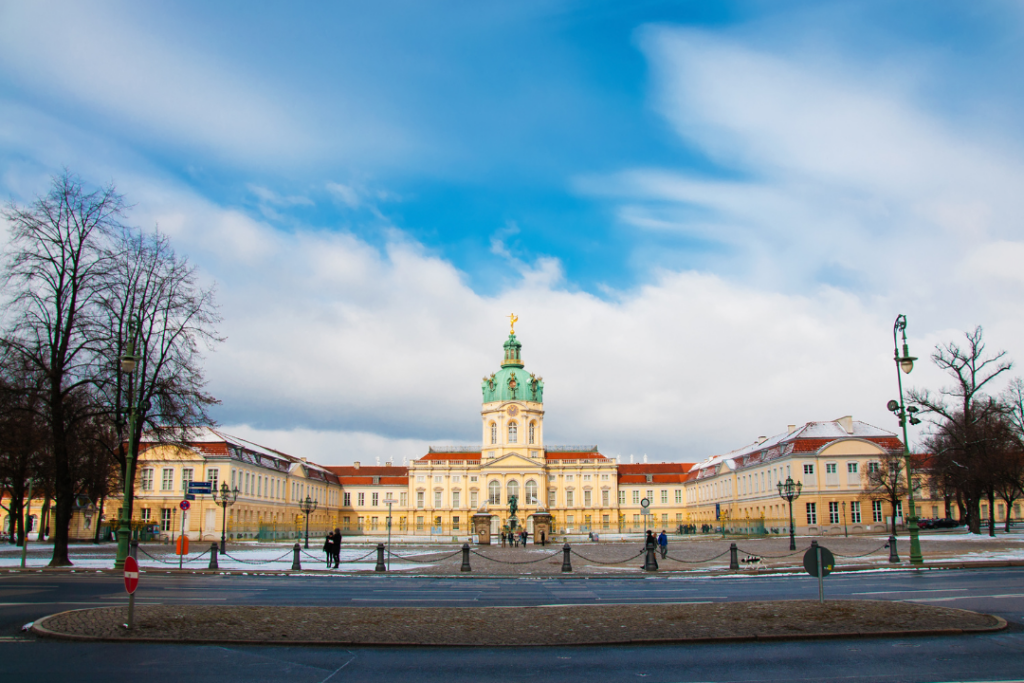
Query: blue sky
[{"x": 715, "y": 208}]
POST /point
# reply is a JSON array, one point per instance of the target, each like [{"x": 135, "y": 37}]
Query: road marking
[
  {"x": 966, "y": 597},
  {"x": 928, "y": 590}
]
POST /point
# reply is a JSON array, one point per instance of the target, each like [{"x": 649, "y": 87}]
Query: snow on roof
[{"x": 821, "y": 433}]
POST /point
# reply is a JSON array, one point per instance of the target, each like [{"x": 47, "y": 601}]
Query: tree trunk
[
  {"x": 44, "y": 519},
  {"x": 991, "y": 512},
  {"x": 1009, "y": 509},
  {"x": 99, "y": 520},
  {"x": 64, "y": 494}
]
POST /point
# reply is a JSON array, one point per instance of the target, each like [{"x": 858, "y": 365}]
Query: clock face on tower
[{"x": 513, "y": 411}]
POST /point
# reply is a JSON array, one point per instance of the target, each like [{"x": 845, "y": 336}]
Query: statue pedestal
[
  {"x": 482, "y": 527},
  {"x": 541, "y": 528}
]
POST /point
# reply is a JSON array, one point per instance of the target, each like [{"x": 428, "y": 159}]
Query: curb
[{"x": 39, "y": 629}]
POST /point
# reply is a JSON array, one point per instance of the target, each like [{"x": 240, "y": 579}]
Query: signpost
[
  {"x": 390, "y": 501},
  {"x": 203, "y": 488},
  {"x": 131, "y": 582},
  {"x": 183, "y": 539},
  {"x": 645, "y": 506},
  {"x": 819, "y": 562}
]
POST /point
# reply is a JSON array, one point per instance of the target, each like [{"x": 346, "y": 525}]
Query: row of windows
[
  {"x": 837, "y": 516},
  {"x": 375, "y": 499},
  {"x": 513, "y": 432},
  {"x": 248, "y": 484}
]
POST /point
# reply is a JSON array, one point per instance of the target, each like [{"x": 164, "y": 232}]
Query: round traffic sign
[
  {"x": 184, "y": 505},
  {"x": 645, "y": 503},
  {"x": 828, "y": 561},
  {"x": 131, "y": 574}
]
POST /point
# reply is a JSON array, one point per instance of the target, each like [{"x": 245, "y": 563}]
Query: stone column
[
  {"x": 541, "y": 527},
  {"x": 482, "y": 527}
]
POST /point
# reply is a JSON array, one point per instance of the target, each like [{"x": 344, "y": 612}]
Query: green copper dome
[{"x": 512, "y": 382}]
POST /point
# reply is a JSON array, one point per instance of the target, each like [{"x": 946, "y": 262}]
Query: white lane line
[
  {"x": 928, "y": 590},
  {"x": 967, "y": 597},
  {"x": 413, "y": 600}
]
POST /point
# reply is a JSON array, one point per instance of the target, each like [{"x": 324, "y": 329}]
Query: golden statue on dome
[{"x": 513, "y": 319}]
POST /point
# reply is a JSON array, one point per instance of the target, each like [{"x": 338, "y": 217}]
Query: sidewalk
[{"x": 517, "y": 626}]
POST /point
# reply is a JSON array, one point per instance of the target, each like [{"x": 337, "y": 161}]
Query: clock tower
[{"x": 513, "y": 409}]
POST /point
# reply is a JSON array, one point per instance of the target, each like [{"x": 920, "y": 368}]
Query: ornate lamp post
[
  {"x": 790, "y": 491},
  {"x": 129, "y": 361},
  {"x": 390, "y": 501},
  {"x": 904, "y": 414},
  {"x": 307, "y": 506},
  {"x": 225, "y": 498}
]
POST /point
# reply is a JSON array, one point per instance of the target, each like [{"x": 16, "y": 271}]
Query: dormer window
[{"x": 650, "y": 478}]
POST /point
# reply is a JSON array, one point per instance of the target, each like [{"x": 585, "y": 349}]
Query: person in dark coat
[
  {"x": 337, "y": 548},
  {"x": 329, "y": 549},
  {"x": 663, "y": 543}
]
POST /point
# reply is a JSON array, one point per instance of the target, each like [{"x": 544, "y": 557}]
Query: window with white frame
[
  {"x": 472, "y": 479},
  {"x": 833, "y": 512},
  {"x": 146, "y": 479},
  {"x": 664, "y": 496},
  {"x": 420, "y": 478},
  {"x": 437, "y": 499},
  {"x": 474, "y": 499},
  {"x": 167, "y": 479},
  {"x": 348, "y": 499},
  {"x": 375, "y": 499},
  {"x": 456, "y": 499},
  {"x": 187, "y": 476},
  {"x": 831, "y": 474},
  {"x": 855, "y": 512},
  {"x": 145, "y": 514},
  {"x": 513, "y": 432},
  {"x": 419, "y": 500},
  {"x": 636, "y": 496},
  {"x": 494, "y": 492},
  {"x": 586, "y": 477},
  {"x": 533, "y": 429},
  {"x": 679, "y": 496},
  {"x": 876, "y": 511},
  {"x": 587, "y": 499},
  {"x": 531, "y": 492},
  {"x": 605, "y": 498},
  {"x": 622, "y": 497},
  {"x": 165, "y": 519},
  {"x": 438, "y": 479},
  {"x": 874, "y": 466},
  {"x": 494, "y": 433},
  {"x": 569, "y": 495},
  {"x": 604, "y": 477},
  {"x": 812, "y": 513},
  {"x": 512, "y": 489},
  {"x": 212, "y": 476},
  {"x": 361, "y": 499},
  {"x": 403, "y": 499},
  {"x": 808, "y": 468},
  {"x": 552, "y": 498},
  {"x": 852, "y": 473}
]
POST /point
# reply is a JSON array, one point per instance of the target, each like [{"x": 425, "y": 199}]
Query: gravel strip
[{"x": 471, "y": 626}]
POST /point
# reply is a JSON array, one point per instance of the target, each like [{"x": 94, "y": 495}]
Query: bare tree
[
  {"x": 886, "y": 480},
  {"x": 55, "y": 269},
  {"x": 963, "y": 442},
  {"x": 1009, "y": 473},
  {"x": 174, "y": 318}
]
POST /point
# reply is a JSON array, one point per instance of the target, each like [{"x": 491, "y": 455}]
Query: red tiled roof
[
  {"x": 656, "y": 468},
  {"x": 592, "y": 455},
  {"x": 451, "y": 456},
  {"x": 350, "y": 470}
]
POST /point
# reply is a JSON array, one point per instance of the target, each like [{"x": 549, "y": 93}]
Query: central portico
[{"x": 562, "y": 488}]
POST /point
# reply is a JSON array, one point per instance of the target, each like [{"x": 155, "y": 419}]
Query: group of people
[
  {"x": 514, "y": 538},
  {"x": 660, "y": 542},
  {"x": 332, "y": 546}
]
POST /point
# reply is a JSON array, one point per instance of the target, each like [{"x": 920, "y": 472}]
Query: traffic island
[{"x": 515, "y": 626}]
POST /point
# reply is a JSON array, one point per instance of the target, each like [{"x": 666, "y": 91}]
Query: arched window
[
  {"x": 494, "y": 493},
  {"x": 531, "y": 491},
  {"x": 533, "y": 426},
  {"x": 494, "y": 433},
  {"x": 513, "y": 489},
  {"x": 512, "y": 432}
]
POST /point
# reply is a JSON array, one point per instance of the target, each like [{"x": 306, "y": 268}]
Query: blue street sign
[
  {"x": 201, "y": 487},
  {"x": 190, "y": 496}
]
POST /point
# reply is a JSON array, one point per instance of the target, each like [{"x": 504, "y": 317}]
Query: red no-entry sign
[
  {"x": 184, "y": 505},
  {"x": 131, "y": 574}
]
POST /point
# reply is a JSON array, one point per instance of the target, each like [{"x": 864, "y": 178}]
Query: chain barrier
[
  {"x": 630, "y": 559},
  {"x": 492, "y": 559},
  {"x": 199, "y": 556},
  {"x": 314, "y": 557},
  {"x": 697, "y": 561},
  {"x": 881, "y": 547},
  {"x": 143, "y": 551},
  {"x": 409, "y": 558},
  {"x": 773, "y": 557},
  {"x": 238, "y": 559}
]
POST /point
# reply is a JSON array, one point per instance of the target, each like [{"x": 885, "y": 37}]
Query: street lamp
[
  {"x": 790, "y": 491},
  {"x": 904, "y": 415},
  {"x": 225, "y": 498},
  {"x": 307, "y": 506},
  {"x": 390, "y": 501},
  {"x": 128, "y": 362},
  {"x": 846, "y": 529}
]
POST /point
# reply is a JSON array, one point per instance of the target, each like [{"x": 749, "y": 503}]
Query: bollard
[
  {"x": 381, "y": 567},
  {"x": 465, "y": 558},
  {"x": 566, "y": 563},
  {"x": 296, "y": 564},
  {"x": 734, "y": 562},
  {"x": 893, "y": 555},
  {"x": 134, "y": 550},
  {"x": 213, "y": 557},
  {"x": 651, "y": 561}
]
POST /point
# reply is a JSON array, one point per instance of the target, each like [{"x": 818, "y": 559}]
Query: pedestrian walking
[
  {"x": 502, "y": 539},
  {"x": 337, "y": 548},
  {"x": 543, "y": 539},
  {"x": 663, "y": 543}
]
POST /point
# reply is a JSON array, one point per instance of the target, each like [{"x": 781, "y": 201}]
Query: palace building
[{"x": 463, "y": 491}]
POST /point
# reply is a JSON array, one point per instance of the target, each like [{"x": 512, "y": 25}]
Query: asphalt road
[{"x": 994, "y": 657}]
